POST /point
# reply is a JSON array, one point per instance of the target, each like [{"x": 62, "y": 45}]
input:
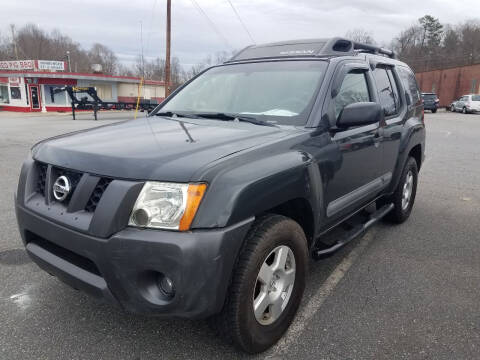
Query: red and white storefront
[{"x": 25, "y": 86}]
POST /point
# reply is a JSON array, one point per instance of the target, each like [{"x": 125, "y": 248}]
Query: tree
[
  {"x": 360, "y": 35},
  {"x": 432, "y": 31},
  {"x": 100, "y": 54}
]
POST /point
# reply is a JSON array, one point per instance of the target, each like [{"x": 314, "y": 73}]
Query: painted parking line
[{"x": 315, "y": 302}]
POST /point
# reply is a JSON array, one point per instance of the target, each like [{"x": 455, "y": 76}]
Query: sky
[{"x": 117, "y": 23}]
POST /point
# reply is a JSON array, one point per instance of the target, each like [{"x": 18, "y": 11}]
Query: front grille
[
  {"x": 74, "y": 177},
  {"x": 97, "y": 194},
  {"x": 42, "y": 178},
  {"x": 65, "y": 254}
]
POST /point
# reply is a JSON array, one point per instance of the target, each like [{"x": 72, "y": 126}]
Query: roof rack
[
  {"x": 372, "y": 49},
  {"x": 307, "y": 48}
]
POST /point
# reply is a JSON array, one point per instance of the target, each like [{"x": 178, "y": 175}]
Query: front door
[
  {"x": 357, "y": 178},
  {"x": 35, "y": 104}
]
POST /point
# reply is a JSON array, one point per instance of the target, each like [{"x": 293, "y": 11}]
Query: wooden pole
[{"x": 167, "y": 55}]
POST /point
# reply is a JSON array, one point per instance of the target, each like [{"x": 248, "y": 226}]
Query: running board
[{"x": 354, "y": 233}]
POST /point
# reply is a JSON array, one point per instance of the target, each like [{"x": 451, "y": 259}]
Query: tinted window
[
  {"x": 396, "y": 92},
  {"x": 429, "y": 96},
  {"x": 385, "y": 91},
  {"x": 354, "y": 89},
  {"x": 410, "y": 84}
]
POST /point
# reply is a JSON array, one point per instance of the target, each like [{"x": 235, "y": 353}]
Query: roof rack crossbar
[{"x": 373, "y": 49}]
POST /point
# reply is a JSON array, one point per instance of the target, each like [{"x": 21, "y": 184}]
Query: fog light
[
  {"x": 141, "y": 217},
  {"x": 166, "y": 286}
]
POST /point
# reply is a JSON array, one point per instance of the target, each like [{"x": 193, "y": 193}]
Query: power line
[
  {"x": 241, "y": 21},
  {"x": 212, "y": 24}
]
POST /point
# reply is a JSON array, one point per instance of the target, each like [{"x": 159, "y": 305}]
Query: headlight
[{"x": 167, "y": 205}]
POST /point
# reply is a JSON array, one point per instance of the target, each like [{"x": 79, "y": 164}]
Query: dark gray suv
[{"x": 212, "y": 205}]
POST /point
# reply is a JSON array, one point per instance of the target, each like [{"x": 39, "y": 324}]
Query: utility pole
[
  {"x": 167, "y": 55},
  {"x": 69, "y": 63},
  {"x": 141, "y": 43},
  {"x": 12, "y": 28}
]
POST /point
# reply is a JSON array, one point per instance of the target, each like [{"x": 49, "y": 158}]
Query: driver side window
[{"x": 354, "y": 89}]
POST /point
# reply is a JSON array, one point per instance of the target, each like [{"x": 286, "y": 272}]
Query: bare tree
[
  {"x": 360, "y": 35},
  {"x": 100, "y": 54}
]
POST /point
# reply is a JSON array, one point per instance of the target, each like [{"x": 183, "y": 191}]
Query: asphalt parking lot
[{"x": 400, "y": 292}]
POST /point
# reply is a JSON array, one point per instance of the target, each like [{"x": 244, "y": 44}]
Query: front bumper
[{"x": 123, "y": 268}]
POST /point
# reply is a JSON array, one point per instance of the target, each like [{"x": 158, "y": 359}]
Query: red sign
[{"x": 17, "y": 65}]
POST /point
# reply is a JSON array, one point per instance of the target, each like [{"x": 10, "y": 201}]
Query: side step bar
[{"x": 354, "y": 233}]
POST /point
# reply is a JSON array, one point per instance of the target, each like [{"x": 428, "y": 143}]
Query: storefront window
[
  {"x": 4, "y": 94},
  {"x": 58, "y": 99},
  {"x": 15, "y": 93}
]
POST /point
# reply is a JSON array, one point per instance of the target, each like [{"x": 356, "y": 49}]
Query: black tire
[
  {"x": 434, "y": 111},
  {"x": 452, "y": 108},
  {"x": 237, "y": 323},
  {"x": 464, "y": 110},
  {"x": 399, "y": 214}
]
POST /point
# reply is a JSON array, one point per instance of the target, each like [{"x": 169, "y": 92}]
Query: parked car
[
  {"x": 212, "y": 205},
  {"x": 430, "y": 102},
  {"x": 467, "y": 104}
]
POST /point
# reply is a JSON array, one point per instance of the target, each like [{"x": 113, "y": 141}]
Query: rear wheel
[
  {"x": 452, "y": 108},
  {"x": 464, "y": 110},
  {"x": 434, "y": 111},
  {"x": 404, "y": 196},
  {"x": 267, "y": 285}
]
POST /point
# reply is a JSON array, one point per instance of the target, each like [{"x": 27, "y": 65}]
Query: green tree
[{"x": 432, "y": 31}]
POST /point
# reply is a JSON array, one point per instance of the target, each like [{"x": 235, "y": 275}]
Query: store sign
[
  {"x": 51, "y": 65},
  {"x": 14, "y": 81},
  {"x": 17, "y": 65}
]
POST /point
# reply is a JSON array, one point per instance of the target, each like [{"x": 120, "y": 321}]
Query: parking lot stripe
[{"x": 315, "y": 302}]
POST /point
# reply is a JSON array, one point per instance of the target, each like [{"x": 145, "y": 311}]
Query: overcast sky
[{"x": 116, "y": 23}]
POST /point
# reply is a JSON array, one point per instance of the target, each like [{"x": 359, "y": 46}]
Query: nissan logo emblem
[{"x": 61, "y": 188}]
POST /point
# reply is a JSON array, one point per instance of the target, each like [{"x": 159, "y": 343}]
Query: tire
[
  {"x": 464, "y": 110},
  {"x": 434, "y": 111},
  {"x": 237, "y": 322},
  {"x": 401, "y": 211},
  {"x": 452, "y": 108}
]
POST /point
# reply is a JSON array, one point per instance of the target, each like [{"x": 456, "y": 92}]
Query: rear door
[{"x": 388, "y": 86}]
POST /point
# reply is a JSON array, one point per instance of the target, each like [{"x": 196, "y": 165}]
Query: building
[
  {"x": 451, "y": 83},
  {"x": 25, "y": 86}
]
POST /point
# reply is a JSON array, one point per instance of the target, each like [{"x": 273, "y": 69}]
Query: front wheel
[
  {"x": 267, "y": 285},
  {"x": 404, "y": 196}
]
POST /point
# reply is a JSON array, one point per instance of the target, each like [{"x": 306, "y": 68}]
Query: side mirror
[{"x": 360, "y": 113}]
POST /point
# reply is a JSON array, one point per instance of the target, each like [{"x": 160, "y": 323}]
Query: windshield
[
  {"x": 278, "y": 92},
  {"x": 429, "y": 96}
]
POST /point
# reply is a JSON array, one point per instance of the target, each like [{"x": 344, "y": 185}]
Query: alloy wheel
[{"x": 274, "y": 285}]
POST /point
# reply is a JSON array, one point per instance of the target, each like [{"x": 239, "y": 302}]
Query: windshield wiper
[
  {"x": 176, "y": 114},
  {"x": 234, "y": 117}
]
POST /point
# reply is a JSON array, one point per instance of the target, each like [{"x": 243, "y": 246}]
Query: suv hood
[{"x": 155, "y": 148}]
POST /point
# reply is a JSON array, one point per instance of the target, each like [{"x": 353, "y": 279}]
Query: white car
[{"x": 467, "y": 104}]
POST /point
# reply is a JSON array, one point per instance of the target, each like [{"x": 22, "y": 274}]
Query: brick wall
[{"x": 450, "y": 84}]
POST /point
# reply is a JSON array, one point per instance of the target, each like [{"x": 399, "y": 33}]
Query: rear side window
[
  {"x": 387, "y": 91},
  {"x": 476, "y": 98},
  {"x": 354, "y": 89},
  {"x": 410, "y": 84}
]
